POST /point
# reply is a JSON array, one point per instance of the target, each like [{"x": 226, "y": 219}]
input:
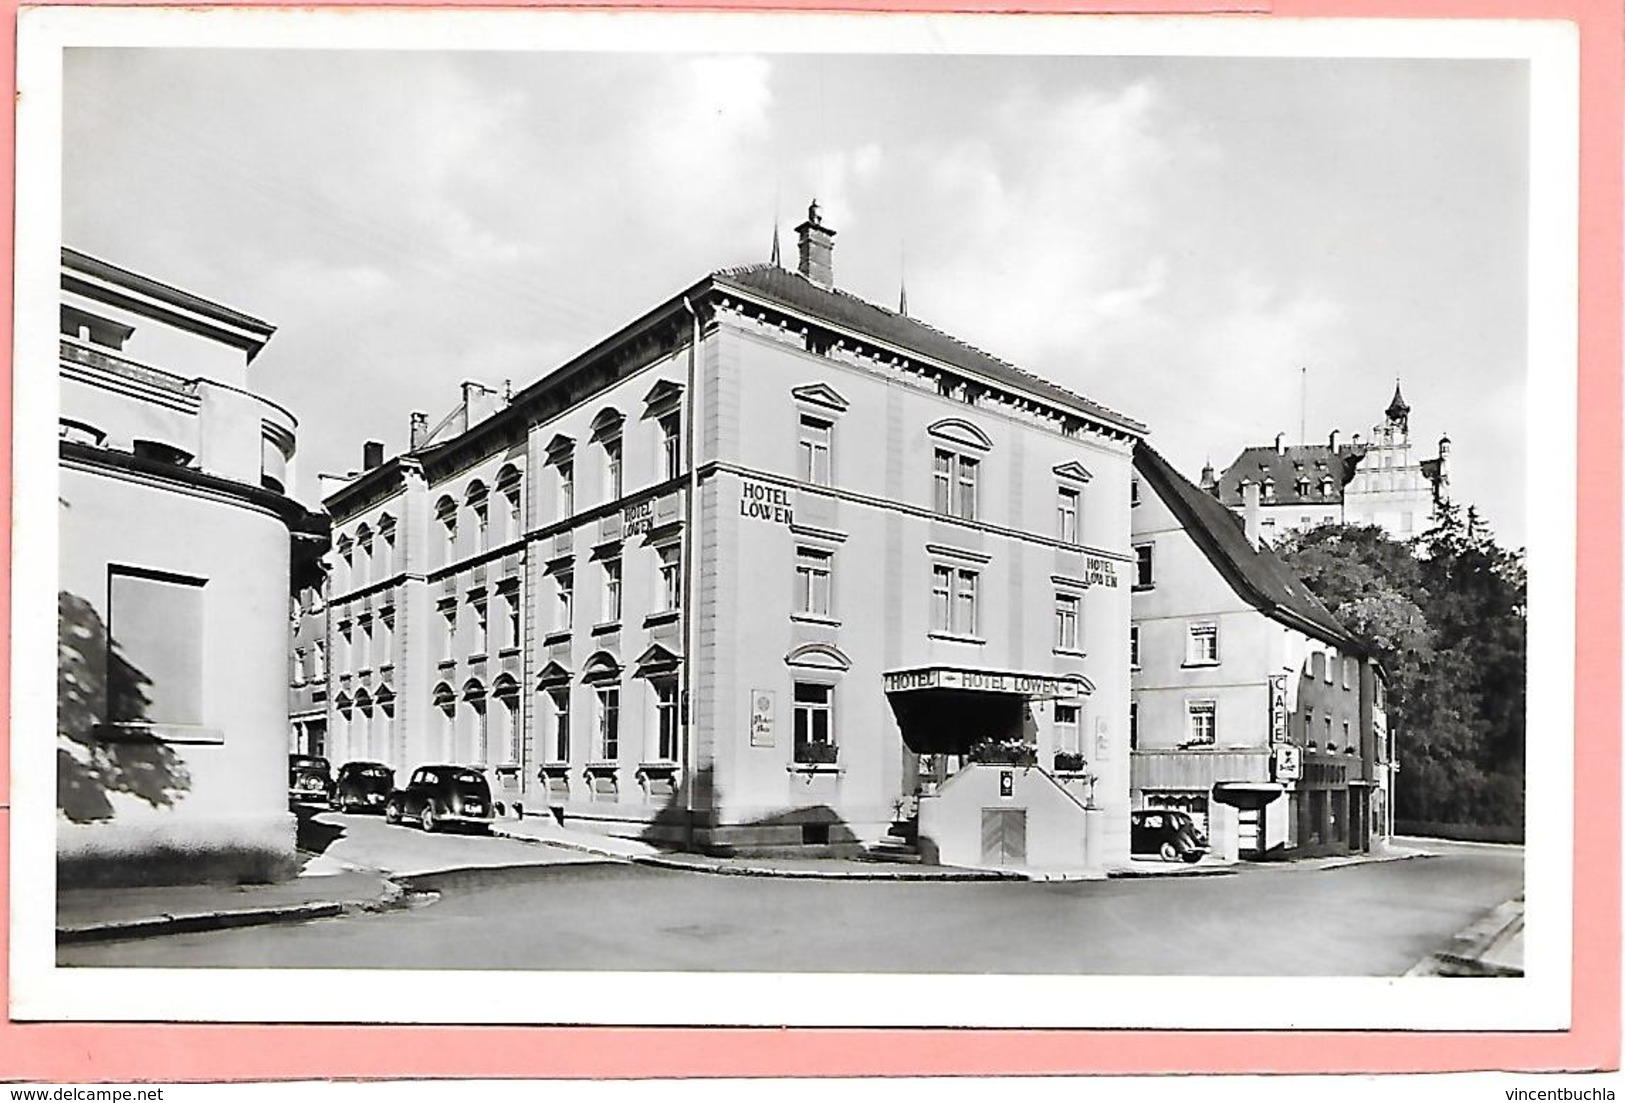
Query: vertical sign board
[
  {"x": 1288, "y": 763},
  {"x": 1278, "y": 732},
  {"x": 1007, "y": 783},
  {"x": 761, "y": 718}
]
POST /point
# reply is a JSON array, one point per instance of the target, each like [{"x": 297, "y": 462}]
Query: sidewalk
[
  {"x": 87, "y": 915},
  {"x": 544, "y": 829}
]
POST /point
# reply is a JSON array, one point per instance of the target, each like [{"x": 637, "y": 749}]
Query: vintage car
[
  {"x": 1166, "y": 832},
  {"x": 443, "y": 796},
  {"x": 310, "y": 782},
  {"x": 362, "y": 787}
]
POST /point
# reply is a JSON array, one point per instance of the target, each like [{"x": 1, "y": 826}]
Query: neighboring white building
[
  {"x": 174, "y": 588},
  {"x": 1379, "y": 482}
]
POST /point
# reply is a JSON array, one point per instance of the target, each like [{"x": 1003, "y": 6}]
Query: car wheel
[
  {"x": 392, "y": 813},
  {"x": 1192, "y": 856},
  {"x": 1169, "y": 852},
  {"x": 426, "y": 818}
]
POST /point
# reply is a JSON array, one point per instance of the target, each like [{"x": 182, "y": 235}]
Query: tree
[{"x": 1445, "y": 615}]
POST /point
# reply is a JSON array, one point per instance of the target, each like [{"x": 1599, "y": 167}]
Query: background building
[
  {"x": 1377, "y": 482},
  {"x": 1253, "y": 708},
  {"x": 175, "y": 580},
  {"x": 756, "y": 571}
]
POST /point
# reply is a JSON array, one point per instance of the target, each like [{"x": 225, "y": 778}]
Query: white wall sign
[{"x": 761, "y": 718}]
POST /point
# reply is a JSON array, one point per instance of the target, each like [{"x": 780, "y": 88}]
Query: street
[{"x": 581, "y": 914}]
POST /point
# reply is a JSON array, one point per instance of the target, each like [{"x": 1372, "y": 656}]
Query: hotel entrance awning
[{"x": 1064, "y": 687}]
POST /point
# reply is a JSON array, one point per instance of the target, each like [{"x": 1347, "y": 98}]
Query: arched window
[
  {"x": 479, "y": 506},
  {"x": 445, "y": 703},
  {"x": 445, "y": 512},
  {"x": 476, "y": 745},
  {"x": 508, "y": 487},
  {"x": 363, "y": 556},
  {"x": 343, "y": 566},
  {"x": 384, "y": 556},
  {"x": 506, "y": 691}
]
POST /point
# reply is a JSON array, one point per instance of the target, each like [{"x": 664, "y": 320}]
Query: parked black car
[
  {"x": 310, "y": 781},
  {"x": 441, "y": 796},
  {"x": 362, "y": 787},
  {"x": 1167, "y": 832}
]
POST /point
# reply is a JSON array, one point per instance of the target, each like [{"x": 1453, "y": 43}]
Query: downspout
[{"x": 690, "y": 434}]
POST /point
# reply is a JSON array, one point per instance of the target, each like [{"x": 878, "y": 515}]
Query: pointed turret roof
[{"x": 1398, "y": 408}]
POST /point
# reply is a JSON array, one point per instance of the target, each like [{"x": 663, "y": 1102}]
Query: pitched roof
[
  {"x": 840, "y": 308},
  {"x": 1286, "y": 467},
  {"x": 1256, "y": 574}
]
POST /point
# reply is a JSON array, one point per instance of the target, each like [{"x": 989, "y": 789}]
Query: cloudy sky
[{"x": 1176, "y": 238}]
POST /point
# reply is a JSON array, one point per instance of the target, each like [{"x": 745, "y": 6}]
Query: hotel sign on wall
[
  {"x": 1278, "y": 733},
  {"x": 638, "y": 518},
  {"x": 938, "y": 677},
  {"x": 1099, "y": 572},
  {"x": 765, "y": 503}
]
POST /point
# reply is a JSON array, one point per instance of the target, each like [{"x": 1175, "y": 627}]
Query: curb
[
  {"x": 1210, "y": 871},
  {"x": 910, "y": 874},
  {"x": 192, "y": 922},
  {"x": 1466, "y": 953}
]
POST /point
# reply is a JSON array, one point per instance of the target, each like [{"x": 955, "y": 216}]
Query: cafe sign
[
  {"x": 1278, "y": 733},
  {"x": 982, "y": 681},
  {"x": 1288, "y": 763}
]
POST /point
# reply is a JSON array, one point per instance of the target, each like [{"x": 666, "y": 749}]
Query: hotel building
[{"x": 769, "y": 567}]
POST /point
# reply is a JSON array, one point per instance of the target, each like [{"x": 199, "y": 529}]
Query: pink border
[{"x": 180, "y": 1053}]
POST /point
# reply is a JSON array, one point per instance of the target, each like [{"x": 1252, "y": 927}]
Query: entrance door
[
  {"x": 1004, "y": 836},
  {"x": 1249, "y": 832}
]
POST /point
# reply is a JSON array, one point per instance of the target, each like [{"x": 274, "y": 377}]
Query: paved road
[{"x": 1376, "y": 919}]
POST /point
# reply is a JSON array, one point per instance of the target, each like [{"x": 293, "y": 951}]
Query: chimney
[
  {"x": 1280, "y": 444},
  {"x": 1249, "y": 515},
  {"x": 1332, "y": 440},
  {"x": 420, "y": 429},
  {"x": 372, "y": 454},
  {"x": 817, "y": 248}
]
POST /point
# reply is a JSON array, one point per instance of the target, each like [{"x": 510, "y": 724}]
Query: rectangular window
[
  {"x": 384, "y": 655},
  {"x": 671, "y": 445},
  {"x": 1144, "y": 570},
  {"x": 1133, "y": 727},
  {"x": 482, "y": 527},
  {"x": 965, "y": 622},
  {"x": 612, "y": 468},
  {"x": 1203, "y": 648},
  {"x": 1066, "y": 621},
  {"x": 953, "y": 601},
  {"x": 814, "y": 723},
  {"x": 363, "y": 651},
  {"x": 1330, "y": 664},
  {"x": 671, "y": 578},
  {"x": 482, "y": 626},
  {"x": 1134, "y": 646},
  {"x": 1066, "y": 515},
  {"x": 515, "y": 525},
  {"x": 967, "y": 488},
  {"x": 814, "y": 450},
  {"x": 567, "y": 488},
  {"x": 666, "y": 719},
  {"x": 611, "y": 606},
  {"x": 812, "y": 581},
  {"x": 942, "y": 477},
  {"x": 299, "y": 666},
  {"x": 1066, "y": 727},
  {"x": 318, "y": 662},
  {"x": 941, "y": 599},
  {"x": 1348, "y": 672},
  {"x": 1329, "y": 745},
  {"x": 609, "y": 724},
  {"x": 561, "y": 724},
  {"x": 1203, "y": 721},
  {"x": 564, "y": 599},
  {"x": 1134, "y": 492},
  {"x": 512, "y": 610},
  {"x": 1348, "y": 741},
  {"x": 155, "y": 647}
]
